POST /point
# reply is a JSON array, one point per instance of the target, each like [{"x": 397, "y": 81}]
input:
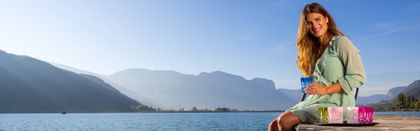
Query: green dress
[{"x": 339, "y": 63}]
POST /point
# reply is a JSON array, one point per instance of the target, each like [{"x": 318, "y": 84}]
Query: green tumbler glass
[{"x": 323, "y": 114}]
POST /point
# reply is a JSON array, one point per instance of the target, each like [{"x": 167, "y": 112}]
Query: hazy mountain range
[
  {"x": 412, "y": 89},
  {"x": 168, "y": 89},
  {"x": 174, "y": 90},
  {"x": 31, "y": 85}
]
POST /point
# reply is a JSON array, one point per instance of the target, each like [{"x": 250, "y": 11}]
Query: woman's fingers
[
  {"x": 309, "y": 90},
  {"x": 312, "y": 89}
]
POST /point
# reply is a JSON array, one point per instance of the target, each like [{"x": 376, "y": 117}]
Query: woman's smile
[{"x": 317, "y": 24}]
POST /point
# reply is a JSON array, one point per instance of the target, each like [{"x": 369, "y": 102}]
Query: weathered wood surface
[{"x": 386, "y": 123}]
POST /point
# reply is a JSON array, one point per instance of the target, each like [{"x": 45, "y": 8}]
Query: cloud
[
  {"x": 382, "y": 29},
  {"x": 380, "y": 34}
]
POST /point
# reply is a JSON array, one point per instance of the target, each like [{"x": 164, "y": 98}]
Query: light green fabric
[{"x": 339, "y": 63}]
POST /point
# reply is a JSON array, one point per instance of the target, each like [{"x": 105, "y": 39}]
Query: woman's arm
[{"x": 354, "y": 72}]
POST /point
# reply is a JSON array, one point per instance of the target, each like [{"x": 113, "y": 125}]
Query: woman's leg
[
  {"x": 287, "y": 121},
  {"x": 273, "y": 126}
]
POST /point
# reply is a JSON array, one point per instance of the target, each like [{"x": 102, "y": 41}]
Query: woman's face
[{"x": 317, "y": 24}]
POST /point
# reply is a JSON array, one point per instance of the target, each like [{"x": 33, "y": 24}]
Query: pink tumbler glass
[{"x": 366, "y": 114}]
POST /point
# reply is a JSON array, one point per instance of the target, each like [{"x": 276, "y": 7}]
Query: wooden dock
[{"x": 385, "y": 123}]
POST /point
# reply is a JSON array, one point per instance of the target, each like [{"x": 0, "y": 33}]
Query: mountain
[
  {"x": 293, "y": 95},
  {"x": 105, "y": 78},
  {"x": 372, "y": 99},
  {"x": 393, "y": 92},
  {"x": 413, "y": 89},
  {"x": 173, "y": 90},
  {"x": 31, "y": 85}
]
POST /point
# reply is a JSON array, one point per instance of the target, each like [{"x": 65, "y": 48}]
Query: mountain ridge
[
  {"x": 217, "y": 89},
  {"x": 31, "y": 85}
]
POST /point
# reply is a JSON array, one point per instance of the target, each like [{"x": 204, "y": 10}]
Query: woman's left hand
[{"x": 316, "y": 89}]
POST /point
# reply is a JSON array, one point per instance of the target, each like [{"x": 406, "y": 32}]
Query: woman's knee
[
  {"x": 273, "y": 126},
  {"x": 287, "y": 120},
  {"x": 273, "y": 123}
]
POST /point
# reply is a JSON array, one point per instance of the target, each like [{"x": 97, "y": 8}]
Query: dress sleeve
[{"x": 354, "y": 72}]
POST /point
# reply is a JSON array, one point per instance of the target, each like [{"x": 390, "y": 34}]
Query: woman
[{"x": 333, "y": 61}]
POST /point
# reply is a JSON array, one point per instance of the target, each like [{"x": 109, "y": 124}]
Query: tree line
[
  {"x": 402, "y": 103},
  {"x": 144, "y": 108}
]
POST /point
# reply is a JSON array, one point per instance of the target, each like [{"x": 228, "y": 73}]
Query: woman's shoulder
[
  {"x": 342, "y": 42},
  {"x": 340, "y": 39}
]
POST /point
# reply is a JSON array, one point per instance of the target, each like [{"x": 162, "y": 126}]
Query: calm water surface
[
  {"x": 243, "y": 121},
  {"x": 138, "y": 121}
]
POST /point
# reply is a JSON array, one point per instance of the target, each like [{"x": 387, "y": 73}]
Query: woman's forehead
[{"x": 312, "y": 16}]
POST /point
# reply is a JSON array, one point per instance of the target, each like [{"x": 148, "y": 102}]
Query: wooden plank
[{"x": 385, "y": 123}]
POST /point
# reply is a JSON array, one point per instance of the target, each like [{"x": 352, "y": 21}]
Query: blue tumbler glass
[{"x": 304, "y": 82}]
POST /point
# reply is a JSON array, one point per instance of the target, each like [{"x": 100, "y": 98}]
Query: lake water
[{"x": 243, "y": 121}]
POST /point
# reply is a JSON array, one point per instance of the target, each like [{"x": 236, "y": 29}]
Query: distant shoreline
[
  {"x": 141, "y": 112},
  {"x": 416, "y": 113}
]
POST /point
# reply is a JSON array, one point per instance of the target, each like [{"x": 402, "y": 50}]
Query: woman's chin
[{"x": 317, "y": 35}]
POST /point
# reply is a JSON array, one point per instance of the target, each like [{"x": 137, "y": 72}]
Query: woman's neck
[{"x": 324, "y": 39}]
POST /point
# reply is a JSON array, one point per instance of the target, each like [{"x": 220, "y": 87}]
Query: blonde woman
[{"x": 333, "y": 61}]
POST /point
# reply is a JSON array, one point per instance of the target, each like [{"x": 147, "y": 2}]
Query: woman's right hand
[{"x": 316, "y": 89}]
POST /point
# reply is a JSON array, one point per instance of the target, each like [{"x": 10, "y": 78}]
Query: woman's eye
[{"x": 309, "y": 24}]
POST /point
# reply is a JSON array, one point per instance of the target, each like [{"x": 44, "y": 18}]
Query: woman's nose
[{"x": 316, "y": 26}]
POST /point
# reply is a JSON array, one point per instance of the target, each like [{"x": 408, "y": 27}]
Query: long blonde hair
[{"x": 309, "y": 47}]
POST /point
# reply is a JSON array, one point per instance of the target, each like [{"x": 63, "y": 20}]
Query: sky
[{"x": 250, "y": 38}]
